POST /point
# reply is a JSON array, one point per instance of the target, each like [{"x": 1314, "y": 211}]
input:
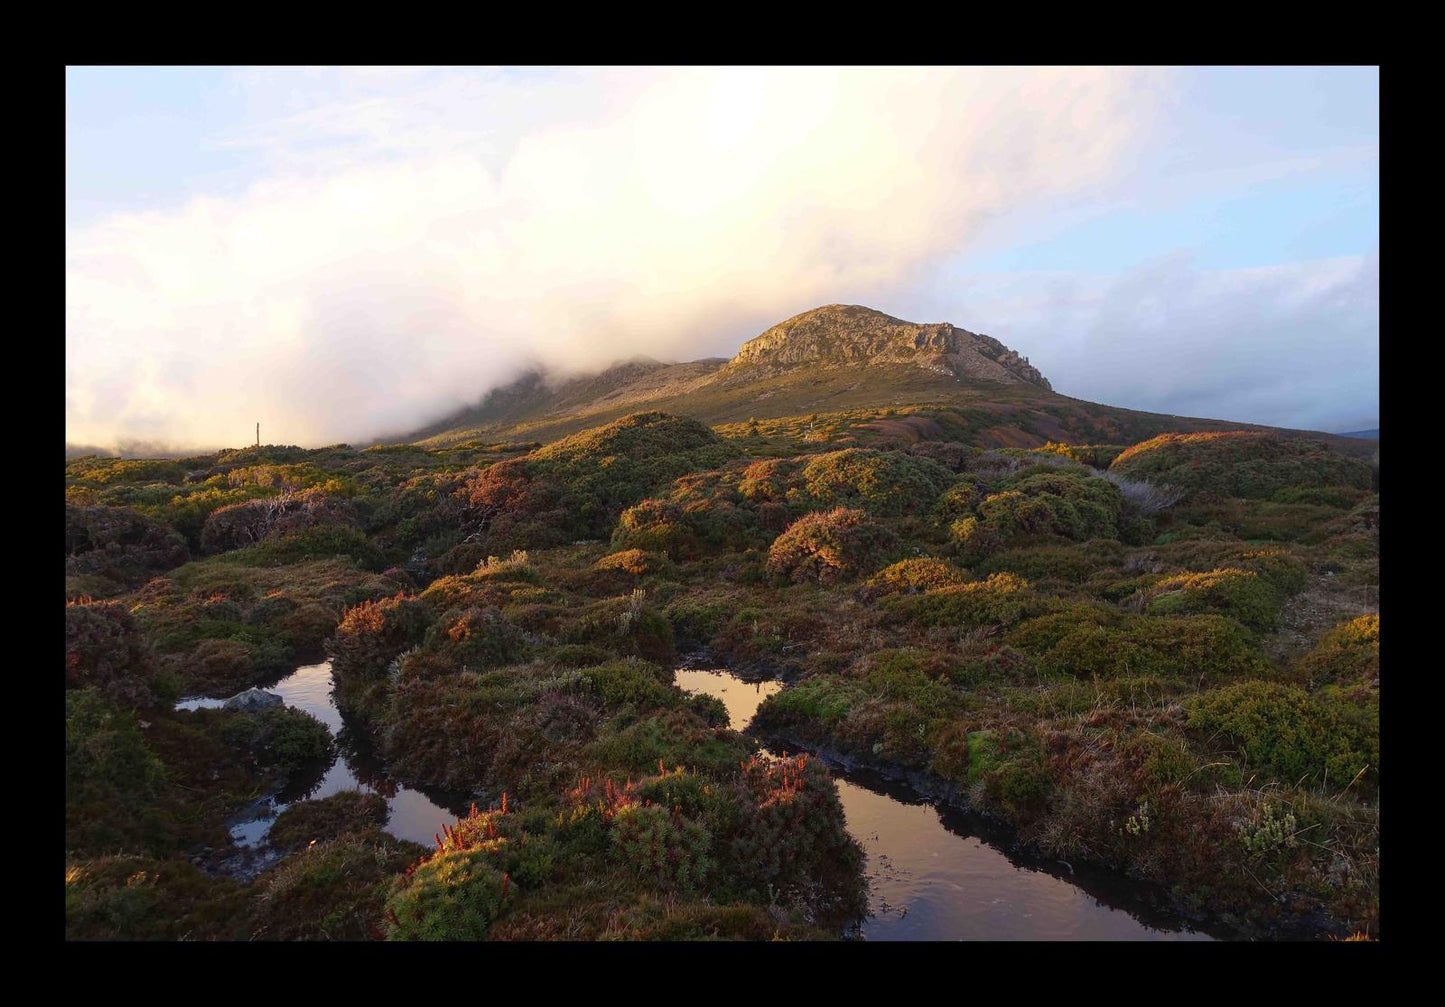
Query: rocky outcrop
[{"x": 849, "y": 335}]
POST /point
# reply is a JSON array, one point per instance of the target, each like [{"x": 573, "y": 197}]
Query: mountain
[
  {"x": 1373, "y": 435},
  {"x": 836, "y": 359},
  {"x": 848, "y": 335}
]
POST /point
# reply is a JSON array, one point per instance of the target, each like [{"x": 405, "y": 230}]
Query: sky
[{"x": 351, "y": 253}]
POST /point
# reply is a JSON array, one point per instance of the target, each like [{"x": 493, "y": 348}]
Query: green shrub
[
  {"x": 334, "y": 890},
  {"x": 235, "y": 526},
  {"x": 597, "y": 473},
  {"x": 958, "y": 501},
  {"x": 697, "y": 620},
  {"x": 105, "y": 754},
  {"x": 1341, "y": 497},
  {"x": 1163, "y": 761},
  {"x": 772, "y": 480},
  {"x": 630, "y": 681},
  {"x": 1083, "y": 646},
  {"x": 110, "y": 471},
  {"x": 476, "y": 638},
  {"x": 1074, "y": 563},
  {"x": 327, "y": 818},
  {"x": 1240, "y": 463},
  {"x": 579, "y": 655},
  {"x": 1346, "y": 654},
  {"x": 913, "y": 575},
  {"x": 1289, "y": 734},
  {"x": 455, "y": 895},
  {"x": 1099, "y": 456},
  {"x": 1018, "y": 785},
  {"x": 711, "y": 710},
  {"x": 1054, "y": 502},
  {"x": 321, "y": 541},
  {"x": 136, "y": 898},
  {"x": 1276, "y": 564},
  {"x": 973, "y": 539},
  {"x": 656, "y": 526},
  {"x": 791, "y": 833},
  {"x": 882, "y": 483},
  {"x": 634, "y": 562},
  {"x": 1003, "y": 598},
  {"x": 1255, "y": 520},
  {"x": 673, "y": 738},
  {"x": 280, "y": 737},
  {"x": 627, "y": 625},
  {"x": 822, "y": 699},
  {"x": 662, "y": 848},
  {"x": 1242, "y": 594}
]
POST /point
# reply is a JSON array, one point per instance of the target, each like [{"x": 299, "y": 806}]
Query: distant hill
[
  {"x": 1373, "y": 435},
  {"x": 832, "y": 359}
]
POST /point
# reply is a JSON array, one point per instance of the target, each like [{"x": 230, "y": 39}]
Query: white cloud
[{"x": 412, "y": 248}]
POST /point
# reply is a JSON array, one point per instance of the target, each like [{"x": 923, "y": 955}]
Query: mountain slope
[{"x": 836, "y": 359}]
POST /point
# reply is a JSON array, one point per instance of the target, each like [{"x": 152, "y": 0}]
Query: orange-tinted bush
[{"x": 830, "y": 547}]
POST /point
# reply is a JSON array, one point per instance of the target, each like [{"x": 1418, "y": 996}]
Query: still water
[
  {"x": 414, "y": 815},
  {"x": 932, "y": 874},
  {"x": 933, "y": 877}
]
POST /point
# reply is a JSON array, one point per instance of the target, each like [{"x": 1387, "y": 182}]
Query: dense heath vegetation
[{"x": 1162, "y": 657}]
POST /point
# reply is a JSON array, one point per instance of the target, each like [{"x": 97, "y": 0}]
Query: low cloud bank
[{"x": 347, "y": 297}]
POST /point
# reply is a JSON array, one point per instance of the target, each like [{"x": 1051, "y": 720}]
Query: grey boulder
[{"x": 252, "y": 699}]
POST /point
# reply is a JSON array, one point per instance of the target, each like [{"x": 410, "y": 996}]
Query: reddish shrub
[
  {"x": 105, "y": 649},
  {"x": 243, "y": 524},
  {"x": 830, "y": 547},
  {"x": 373, "y": 634},
  {"x": 118, "y": 542}
]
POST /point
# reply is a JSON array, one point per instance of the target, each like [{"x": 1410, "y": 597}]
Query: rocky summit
[{"x": 850, "y": 334}]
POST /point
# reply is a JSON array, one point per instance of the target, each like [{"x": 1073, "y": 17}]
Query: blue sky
[{"x": 1192, "y": 241}]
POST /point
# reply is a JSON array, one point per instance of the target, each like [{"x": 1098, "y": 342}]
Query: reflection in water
[
  {"x": 741, "y": 698},
  {"x": 414, "y": 815},
  {"x": 932, "y": 878}
]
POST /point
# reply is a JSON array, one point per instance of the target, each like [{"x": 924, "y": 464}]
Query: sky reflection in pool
[
  {"x": 932, "y": 878},
  {"x": 414, "y": 815}
]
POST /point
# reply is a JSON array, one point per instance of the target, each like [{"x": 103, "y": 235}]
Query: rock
[{"x": 251, "y": 700}]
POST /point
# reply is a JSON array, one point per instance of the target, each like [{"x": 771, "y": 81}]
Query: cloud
[
  {"x": 1295, "y": 345},
  {"x": 419, "y": 239}
]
